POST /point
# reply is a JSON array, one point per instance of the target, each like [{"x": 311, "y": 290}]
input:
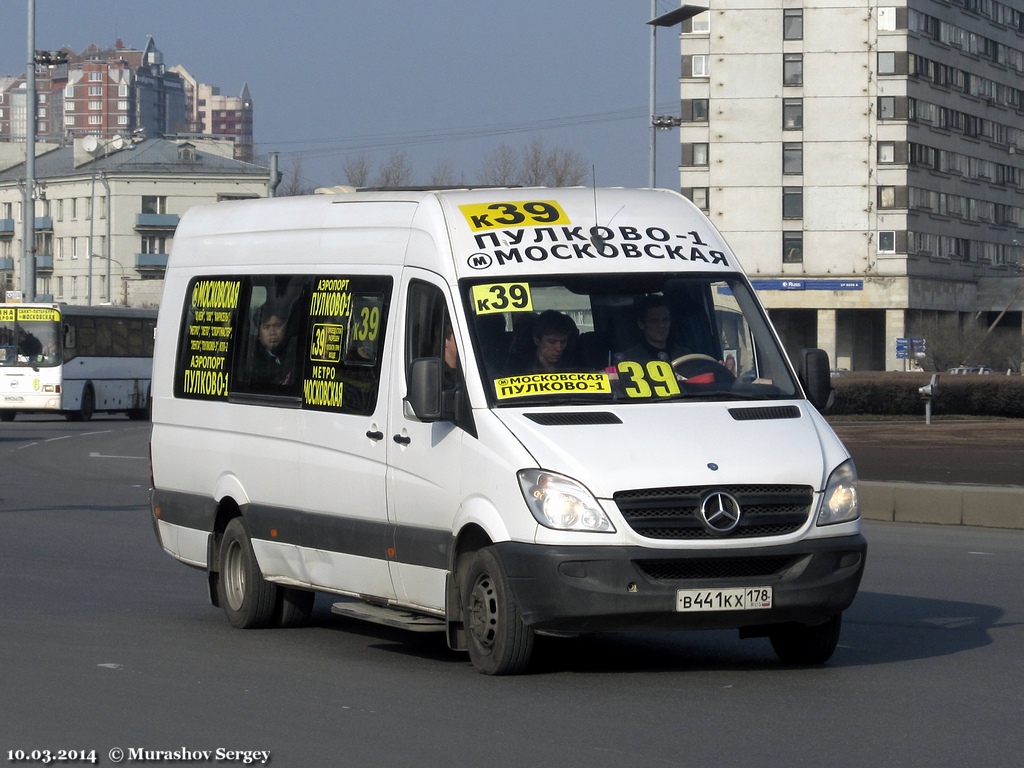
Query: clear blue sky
[{"x": 442, "y": 80}]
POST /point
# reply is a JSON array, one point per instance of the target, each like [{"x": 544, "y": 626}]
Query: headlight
[
  {"x": 841, "y": 503},
  {"x": 562, "y": 503}
]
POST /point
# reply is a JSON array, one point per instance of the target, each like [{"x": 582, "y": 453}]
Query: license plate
[{"x": 735, "y": 599}]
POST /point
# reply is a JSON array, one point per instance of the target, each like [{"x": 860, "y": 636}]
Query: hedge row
[{"x": 895, "y": 394}]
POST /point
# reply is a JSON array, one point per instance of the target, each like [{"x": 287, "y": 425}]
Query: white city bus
[{"x": 57, "y": 358}]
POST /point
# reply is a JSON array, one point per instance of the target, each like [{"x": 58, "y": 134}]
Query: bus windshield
[
  {"x": 29, "y": 336},
  {"x": 624, "y": 338}
]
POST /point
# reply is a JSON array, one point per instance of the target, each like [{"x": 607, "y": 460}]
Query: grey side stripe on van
[{"x": 413, "y": 545}]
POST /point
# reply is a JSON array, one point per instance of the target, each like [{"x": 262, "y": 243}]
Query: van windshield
[{"x": 623, "y": 338}]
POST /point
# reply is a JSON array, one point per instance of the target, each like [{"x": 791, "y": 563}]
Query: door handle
[
  {"x": 375, "y": 435},
  {"x": 402, "y": 440}
]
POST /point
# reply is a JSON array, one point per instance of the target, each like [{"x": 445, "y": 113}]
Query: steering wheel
[{"x": 703, "y": 369}]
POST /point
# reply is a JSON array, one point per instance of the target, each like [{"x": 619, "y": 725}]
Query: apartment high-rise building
[
  {"x": 864, "y": 158},
  {"x": 105, "y": 92},
  {"x": 209, "y": 113}
]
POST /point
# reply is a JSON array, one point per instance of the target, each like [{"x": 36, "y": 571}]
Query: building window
[
  {"x": 122, "y": 106},
  {"x": 793, "y": 24},
  {"x": 887, "y": 242},
  {"x": 792, "y": 69},
  {"x": 792, "y": 114},
  {"x": 122, "y": 91},
  {"x": 700, "y": 198},
  {"x": 701, "y": 23},
  {"x": 95, "y": 77},
  {"x": 95, "y": 119},
  {"x": 792, "y": 202},
  {"x": 96, "y": 104},
  {"x": 699, "y": 66},
  {"x": 154, "y": 244},
  {"x": 95, "y": 90},
  {"x": 887, "y": 19},
  {"x": 69, "y": 119},
  {"x": 792, "y": 247},
  {"x": 886, "y": 152},
  {"x": 700, "y": 110},
  {"x": 69, "y": 91},
  {"x": 154, "y": 204},
  {"x": 887, "y": 197},
  {"x": 886, "y": 107},
  {"x": 886, "y": 63},
  {"x": 700, "y": 154},
  {"x": 122, "y": 119},
  {"x": 792, "y": 159}
]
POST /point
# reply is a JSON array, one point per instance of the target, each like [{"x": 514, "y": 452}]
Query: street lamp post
[
  {"x": 28, "y": 262},
  {"x": 669, "y": 19}
]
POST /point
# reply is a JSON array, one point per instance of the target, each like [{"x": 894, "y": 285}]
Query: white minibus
[{"x": 495, "y": 414}]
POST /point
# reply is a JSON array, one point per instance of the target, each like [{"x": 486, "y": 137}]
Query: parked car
[{"x": 970, "y": 369}]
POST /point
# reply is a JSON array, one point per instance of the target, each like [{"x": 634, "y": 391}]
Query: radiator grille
[{"x": 672, "y": 513}]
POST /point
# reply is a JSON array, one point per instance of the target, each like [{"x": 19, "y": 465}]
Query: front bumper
[{"x": 596, "y": 589}]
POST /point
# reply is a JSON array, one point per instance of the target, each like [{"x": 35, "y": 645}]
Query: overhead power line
[{"x": 313, "y": 148}]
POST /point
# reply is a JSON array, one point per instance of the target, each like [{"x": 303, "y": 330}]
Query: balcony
[
  {"x": 156, "y": 221},
  {"x": 44, "y": 224},
  {"x": 7, "y": 264},
  {"x": 150, "y": 263},
  {"x": 44, "y": 262},
  {"x": 6, "y": 228}
]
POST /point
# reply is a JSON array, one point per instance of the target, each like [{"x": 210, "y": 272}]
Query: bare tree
[
  {"x": 294, "y": 183},
  {"x": 443, "y": 174},
  {"x": 500, "y": 167},
  {"x": 396, "y": 171},
  {"x": 357, "y": 170},
  {"x": 567, "y": 168},
  {"x": 535, "y": 164}
]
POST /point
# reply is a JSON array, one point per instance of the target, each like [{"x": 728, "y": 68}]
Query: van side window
[
  {"x": 426, "y": 323},
  {"x": 306, "y": 341},
  {"x": 341, "y": 362},
  {"x": 273, "y": 330}
]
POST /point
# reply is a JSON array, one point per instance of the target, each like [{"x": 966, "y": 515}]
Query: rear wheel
[
  {"x": 800, "y": 644},
  {"x": 499, "y": 642},
  {"x": 249, "y": 600}
]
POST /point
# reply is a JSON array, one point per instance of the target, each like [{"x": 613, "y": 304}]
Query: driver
[{"x": 654, "y": 319}]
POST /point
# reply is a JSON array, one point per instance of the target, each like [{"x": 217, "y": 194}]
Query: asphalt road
[{"x": 106, "y": 642}]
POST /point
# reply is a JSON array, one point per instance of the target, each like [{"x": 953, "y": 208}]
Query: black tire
[
  {"x": 800, "y": 644},
  {"x": 294, "y": 607},
  {"x": 249, "y": 600},
  {"x": 499, "y": 642},
  {"x": 6, "y": 415},
  {"x": 86, "y": 408}
]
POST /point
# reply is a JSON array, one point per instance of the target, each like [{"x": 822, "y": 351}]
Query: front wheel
[
  {"x": 499, "y": 642},
  {"x": 800, "y": 644},
  {"x": 249, "y": 600},
  {"x": 86, "y": 408}
]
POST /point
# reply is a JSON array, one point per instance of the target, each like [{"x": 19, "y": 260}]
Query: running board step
[{"x": 391, "y": 617}]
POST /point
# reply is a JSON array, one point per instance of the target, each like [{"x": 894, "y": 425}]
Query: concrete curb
[{"x": 987, "y": 506}]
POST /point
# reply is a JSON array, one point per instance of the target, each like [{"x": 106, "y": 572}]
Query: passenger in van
[
  {"x": 553, "y": 332},
  {"x": 654, "y": 318},
  {"x": 451, "y": 356},
  {"x": 274, "y": 358}
]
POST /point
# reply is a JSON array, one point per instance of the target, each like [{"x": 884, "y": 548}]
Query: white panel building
[
  {"x": 107, "y": 210},
  {"x": 864, "y": 158}
]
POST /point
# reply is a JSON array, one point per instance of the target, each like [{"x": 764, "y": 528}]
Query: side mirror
[
  {"x": 425, "y": 382},
  {"x": 816, "y": 378}
]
